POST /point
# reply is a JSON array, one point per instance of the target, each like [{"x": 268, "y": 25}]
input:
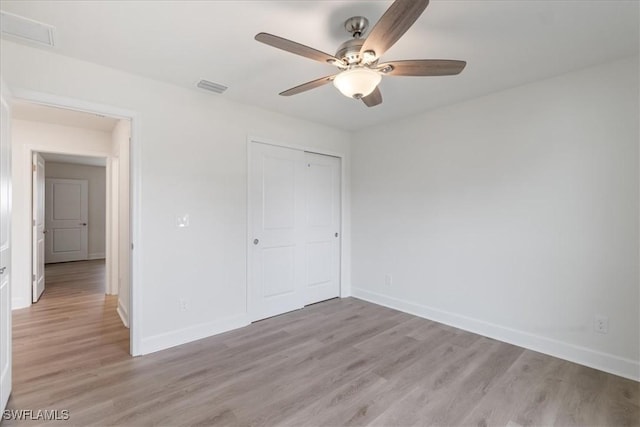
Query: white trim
[
  {"x": 112, "y": 246},
  {"x": 345, "y": 289},
  {"x": 192, "y": 333},
  {"x": 298, "y": 147},
  {"x": 97, "y": 255},
  {"x": 122, "y": 312},
  {"x": 71, "y": 103},
  {"x": 107, "y": 229},
  {"x": 17, "y": 303},
  {"x": 135, "y": 231},
  {"x": 584, "y": 356},
  {"x": 134, "y": 185}
]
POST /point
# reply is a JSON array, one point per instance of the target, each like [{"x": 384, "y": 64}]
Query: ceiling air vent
[
  {"x": 26, "y": 30},
  {"x": 211, "y": 86}
]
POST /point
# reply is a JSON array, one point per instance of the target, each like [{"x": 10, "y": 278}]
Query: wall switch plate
[
  {"x": 182, "y": 221},
  {"x": 601, "y": 324},
  {"x": 388, "y": 280}
]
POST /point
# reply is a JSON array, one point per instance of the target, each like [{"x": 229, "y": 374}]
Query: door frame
[
  {"x": 135, "y": 188},
  {"x": 345, "y": 290}
]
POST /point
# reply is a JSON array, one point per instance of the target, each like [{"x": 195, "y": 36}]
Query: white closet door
[
  {"x": 277, "y": 202},
  {"x": 322, "y": 228}
]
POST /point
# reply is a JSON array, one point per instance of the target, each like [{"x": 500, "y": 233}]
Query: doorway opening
[{"x": 78, "y": 235}]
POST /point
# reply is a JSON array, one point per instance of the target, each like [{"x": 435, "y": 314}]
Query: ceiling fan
[{"x": 360, "y": 73}]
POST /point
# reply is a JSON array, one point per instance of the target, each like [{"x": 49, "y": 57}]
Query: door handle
[
  {"x": 256, "y": 241},
  {"x": 84, "y": 224},
  {"x": 2, "y": 270},
  {"x": 44, "y": 231}
]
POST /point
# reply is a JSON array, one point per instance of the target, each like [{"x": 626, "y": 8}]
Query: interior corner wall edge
[
  {"x": 193, "y": 148},
  {"x": 514, "y": 215}
]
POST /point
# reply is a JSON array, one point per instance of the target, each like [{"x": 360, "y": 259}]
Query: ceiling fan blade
[
  {"x": 296, "y": 48},
  {"x": 393, "y": 24},
  {"x": 423, "y": 67},
  {"x": 308, "y": 86},
  {"x": 373, "y": 99}
]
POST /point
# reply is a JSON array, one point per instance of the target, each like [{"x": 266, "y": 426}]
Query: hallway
[{"x": 73, "y": 310}]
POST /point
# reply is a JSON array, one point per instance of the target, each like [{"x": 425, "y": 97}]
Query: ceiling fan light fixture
[{"x": 357, "y": 82}]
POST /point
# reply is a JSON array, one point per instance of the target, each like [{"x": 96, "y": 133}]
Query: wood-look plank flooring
[{"x": 340, "y": 362}]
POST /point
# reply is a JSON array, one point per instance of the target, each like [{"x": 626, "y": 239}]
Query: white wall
[
  {"x": 96, "y": 175},
  {"x": 193, "y": 159},
  {"x": 514, "y": 215},
  {"x": 44, "y": 137}
]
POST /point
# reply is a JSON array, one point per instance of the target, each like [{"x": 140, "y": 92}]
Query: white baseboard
[
  {"x": 18, "y": 303},
  {"x": 97, "y": 255},
  {"x": 192, "y": 333},
  {"x": 123, "y": 313},
  {"x": 584, "y": 356}
]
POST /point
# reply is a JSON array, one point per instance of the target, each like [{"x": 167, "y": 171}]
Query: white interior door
[
  {"x": 67, "y": 216},
  {"x": 322, "y": 228},
  {"x": 276, "y": 194},
  {"x": 5, "y": 251},
  {"x": 38, "y": 227}
]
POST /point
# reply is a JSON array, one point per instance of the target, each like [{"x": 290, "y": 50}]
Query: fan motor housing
[{"x": 349, "y": 51}]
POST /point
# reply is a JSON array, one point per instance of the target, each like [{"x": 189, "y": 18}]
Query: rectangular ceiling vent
[
  {"x": 25, "y": 29},
  {"x": 211, "y": 86}
]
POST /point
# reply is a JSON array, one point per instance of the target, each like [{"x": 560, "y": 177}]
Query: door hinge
[
  {"x": 33, "y": 277},
  {"x": 33, "y": 223},
  {"x": 132, "y": 246},
  {"x": 33, "y": 167}
]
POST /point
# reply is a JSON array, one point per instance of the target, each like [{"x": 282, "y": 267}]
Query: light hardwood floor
[{"x": 340, "y": 362}]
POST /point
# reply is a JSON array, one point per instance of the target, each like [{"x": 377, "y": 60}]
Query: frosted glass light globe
[{"x": 357, "y": 82}]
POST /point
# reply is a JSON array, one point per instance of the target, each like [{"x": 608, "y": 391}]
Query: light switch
[{"x": 182, "y": 221}]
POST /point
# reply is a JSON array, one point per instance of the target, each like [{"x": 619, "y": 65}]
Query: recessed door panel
[
  {"x": 319, "y": 263},
  {"x": 320, "y": 188},
  {"x": 67, "y": 201},
  {"x": 279, "y": 188},
  {"x": 67, "y": 240},
  {"x": 278, "y": 271}
]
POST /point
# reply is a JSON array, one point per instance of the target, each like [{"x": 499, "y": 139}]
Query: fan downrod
[{"x": 356, "y": 26}]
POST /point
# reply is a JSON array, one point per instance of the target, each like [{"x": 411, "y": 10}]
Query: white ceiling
[
  {"x": 61, "y": 116},
  {"x": 506, "y": 43}
]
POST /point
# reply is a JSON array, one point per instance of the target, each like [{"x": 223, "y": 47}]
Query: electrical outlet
[
  {"x": 184, "y": 304},
  {"x": 601, "y": 324},
  {"x": 388, "y": 280}
]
